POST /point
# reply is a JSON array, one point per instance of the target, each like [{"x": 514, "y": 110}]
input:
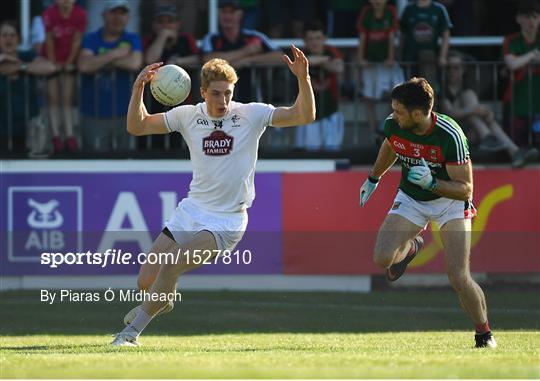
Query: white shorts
[
  {"x": 188, "y": 219},
  {"x": 440, "y": 210},
  {"x": 379, "y": 78}
]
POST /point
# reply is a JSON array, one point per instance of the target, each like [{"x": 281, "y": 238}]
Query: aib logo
[
  {"x": 42, "y": 219},
  {"x": 44, "y": 215}
]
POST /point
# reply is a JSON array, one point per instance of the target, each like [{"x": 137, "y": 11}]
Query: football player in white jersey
[{"x": 223, "y": 138}]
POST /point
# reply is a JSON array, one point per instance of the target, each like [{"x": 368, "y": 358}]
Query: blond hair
[{"x": 217, "y": 69}]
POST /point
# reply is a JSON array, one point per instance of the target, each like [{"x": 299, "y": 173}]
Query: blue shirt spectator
[
  {"x": 109, "y": 58},
  {"x": 113, "y": 86}
]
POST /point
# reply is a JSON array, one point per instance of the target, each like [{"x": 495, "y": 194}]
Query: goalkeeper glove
[{"x": 367, "y": 189}]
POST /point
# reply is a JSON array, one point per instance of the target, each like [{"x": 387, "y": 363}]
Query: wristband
[
  {"x": 433, "y": 186},
  {"x": 373, "y": 180}
]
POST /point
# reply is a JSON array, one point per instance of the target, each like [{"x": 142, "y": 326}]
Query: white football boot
[{"x": 124, "y": 339}]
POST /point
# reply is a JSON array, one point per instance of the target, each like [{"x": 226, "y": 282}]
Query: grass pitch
[{"x": 386, "y": 334}]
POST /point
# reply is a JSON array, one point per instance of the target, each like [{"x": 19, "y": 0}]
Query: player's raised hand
[
  {"x": 421, "y": 175},
  {"x": 147, "y": 74},
  {"x": 299, "y": 65},
  {"x": 367, "y": 189}
]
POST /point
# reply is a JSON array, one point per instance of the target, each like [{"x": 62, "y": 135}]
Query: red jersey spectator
[
  {"x": 65, "y": 23},
  {"x": 377, "y": 24}
]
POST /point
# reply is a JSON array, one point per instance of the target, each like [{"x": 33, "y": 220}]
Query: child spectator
[
  {"x": 422, "y": 24},
  {"x": 325, "y": 63},
  {"x": 17, "y": 93},
  {"x": 522, "y": 57},
  {"x": 65, "y": 23},
  {"x": 377, "y": 24}
]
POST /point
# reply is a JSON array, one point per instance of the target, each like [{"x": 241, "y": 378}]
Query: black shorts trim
[{"x": 168, "y": 233}]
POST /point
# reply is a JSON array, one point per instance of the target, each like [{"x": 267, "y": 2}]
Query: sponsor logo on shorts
[
  {"x": 217, "y": 144},
  {"x": 396, "y": 205}
]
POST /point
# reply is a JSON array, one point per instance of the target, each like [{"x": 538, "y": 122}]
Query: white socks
[{"x": 138, "y": 324}]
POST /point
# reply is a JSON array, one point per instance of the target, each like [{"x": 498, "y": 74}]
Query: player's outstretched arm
[
  {"x": 385, "y": 159},
  {"x": 303, "y": 110},
  {"x": 139, "y": 121}
]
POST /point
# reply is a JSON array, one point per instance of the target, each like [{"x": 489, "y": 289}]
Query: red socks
[{"x": 482, "y": 328}]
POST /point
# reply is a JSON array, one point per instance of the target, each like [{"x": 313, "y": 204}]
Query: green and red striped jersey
[{"x": 444, "y": 144}]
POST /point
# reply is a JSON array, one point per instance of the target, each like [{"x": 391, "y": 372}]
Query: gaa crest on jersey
[
  {"x": 218, "y": 123},
  {"x": 217, "y": 144}
]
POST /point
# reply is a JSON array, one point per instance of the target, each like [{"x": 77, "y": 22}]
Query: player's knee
[{"x": 458, "y": 280}]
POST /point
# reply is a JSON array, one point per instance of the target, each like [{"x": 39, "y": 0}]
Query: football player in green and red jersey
[{"x": 436, "y": 185}]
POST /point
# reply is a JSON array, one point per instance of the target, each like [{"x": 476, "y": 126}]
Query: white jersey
[{"x": 223, "y": 152}]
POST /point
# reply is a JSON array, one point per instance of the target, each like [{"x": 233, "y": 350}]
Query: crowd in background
[{"x": 69, "y": 92}]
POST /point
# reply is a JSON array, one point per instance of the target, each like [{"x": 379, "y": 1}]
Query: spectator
[
  {"x": 108, "y": 58},
  {"x": 461, "y": 103},
  {"x": 325, "y": 63},
  {"x": 167, "y": 44},
  {"x": 422, "y": 24},
  {"x": 377, "y": 25},
  {"x": 95, "y": 9},
  {"x": 64, "y": 23},
  {"x": 17, "y": 89},
  {"x": 522, "y": 57},
  {"x": 241, "y": 47}
]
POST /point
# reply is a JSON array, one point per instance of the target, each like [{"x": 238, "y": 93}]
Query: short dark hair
[
  {"x": 11, "y": 23},
  {"x": 528, "y": 7},
  {"x": 414, "y": 94},
  {"x": 314, "y": 26}
]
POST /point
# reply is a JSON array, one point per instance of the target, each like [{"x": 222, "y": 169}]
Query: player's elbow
[
  {"x": 308, "y": 117},
  {"x": 133, "y": 130},
  {"x": 467, "y": 192}
]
